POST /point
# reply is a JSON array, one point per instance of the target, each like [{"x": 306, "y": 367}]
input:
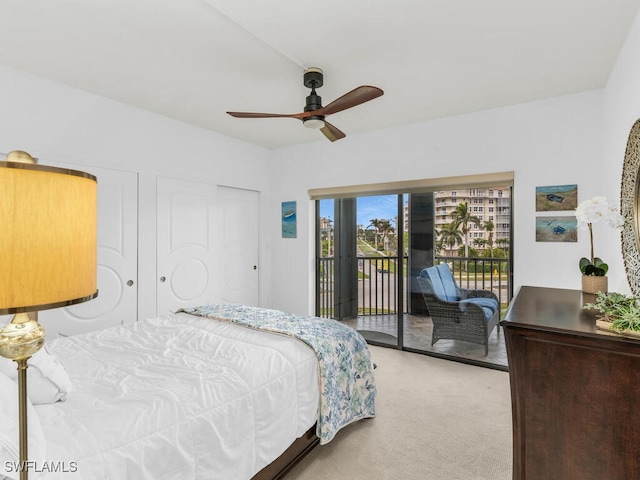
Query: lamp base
[
  {"x": 19, "y": 341},
  {"x": 21, "y": 338}
]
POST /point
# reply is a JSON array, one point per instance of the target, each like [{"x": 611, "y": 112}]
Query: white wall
[
  {"x": 551, "y": 142},
  {"x": 60, "y": 124}
]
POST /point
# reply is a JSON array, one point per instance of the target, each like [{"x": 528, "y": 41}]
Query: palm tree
[
  {"x": 479, "y": 242},
  {"x": 449, "y": 235},
  {"x": 462, "y": 219},
  {"x": 375, "y": 223},
  {"x": 489, "y": 226},
  {"x": 504, "y": 244},
  {"x": 385, "y": 228},
  {"x": 382, "y": 227}
]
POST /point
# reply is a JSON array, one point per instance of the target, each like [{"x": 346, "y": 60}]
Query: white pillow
[
  {"x": 10, "y": 433},
  {"x": 47, "y": 380}
]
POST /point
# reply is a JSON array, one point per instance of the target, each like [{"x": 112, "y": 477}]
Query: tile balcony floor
[{"x": 382, "y": 330}]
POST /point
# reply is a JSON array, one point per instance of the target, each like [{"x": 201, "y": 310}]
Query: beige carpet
[{"x": 435, "y": 420}]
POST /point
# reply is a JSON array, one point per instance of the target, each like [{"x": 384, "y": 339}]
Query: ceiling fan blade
[
  {"x": 264, "y": 115},
  {"x": 353, "y": 98},
  {"x": 331, "y": 132}
]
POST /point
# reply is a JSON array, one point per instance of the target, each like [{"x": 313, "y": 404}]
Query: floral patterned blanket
[{"x": 347, "y": 384}]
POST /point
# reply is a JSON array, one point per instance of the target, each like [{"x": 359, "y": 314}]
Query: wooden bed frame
[{"x": 291, "y": 456}]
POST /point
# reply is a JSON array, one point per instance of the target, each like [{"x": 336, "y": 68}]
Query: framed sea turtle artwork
[
  {"x": 557, "y": 229},
  {"x": 556, "y": 198},
  {"x": 289, "y": 222}
]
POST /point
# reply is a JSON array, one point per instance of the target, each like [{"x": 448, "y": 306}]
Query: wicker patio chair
[{"x": 458, "y": 313}]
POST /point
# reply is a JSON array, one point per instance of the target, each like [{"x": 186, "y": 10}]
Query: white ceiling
[{"x": 193, "y": 60}]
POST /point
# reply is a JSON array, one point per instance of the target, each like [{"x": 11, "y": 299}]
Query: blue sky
[{"x": 379, "y": 206}]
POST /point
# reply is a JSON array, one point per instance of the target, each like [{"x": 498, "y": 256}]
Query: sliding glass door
[
  {"x": 361, "y": 263},
  {"x": 370, "y": 249}
]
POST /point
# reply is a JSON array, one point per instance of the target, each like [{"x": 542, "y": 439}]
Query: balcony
[{"x": 378, "y": 304}]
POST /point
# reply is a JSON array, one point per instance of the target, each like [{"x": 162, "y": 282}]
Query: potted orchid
[{"x": 596, "y": 210}]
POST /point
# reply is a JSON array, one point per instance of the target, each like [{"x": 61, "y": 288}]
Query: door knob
[
  {"x": 130, "y": 282},
  {"x": 162, "y": 279},
  {"x": 255, "y": 267}
]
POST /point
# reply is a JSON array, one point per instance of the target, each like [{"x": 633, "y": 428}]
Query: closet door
[
  {"x": 185, "y": 240},
  {"x": 238, "y": 224},
  {"x": 117, "y": 300}
]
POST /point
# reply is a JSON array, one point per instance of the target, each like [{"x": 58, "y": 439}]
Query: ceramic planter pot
[{"x": 592, "y": 284}]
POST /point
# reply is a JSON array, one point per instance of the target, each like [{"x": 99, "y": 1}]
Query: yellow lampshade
[{"x": 48, "y": 237}]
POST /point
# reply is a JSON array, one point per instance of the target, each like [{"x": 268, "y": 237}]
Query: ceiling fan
[{"x": 314, "y": 113}]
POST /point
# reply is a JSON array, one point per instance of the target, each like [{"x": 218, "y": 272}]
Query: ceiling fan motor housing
[
  {"x": 314, "y": 102},
  {"x": 313, "y": 78}
]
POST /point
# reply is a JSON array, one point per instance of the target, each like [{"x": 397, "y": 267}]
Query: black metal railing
[
  {"x": 378, "y": 280},
  {"x": 377, "y": 285},
  {"x": 325, "y": 282},
  {"x": 482, "y": 273}
]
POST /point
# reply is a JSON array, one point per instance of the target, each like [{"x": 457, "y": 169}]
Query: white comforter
[{"x": 178, "y": 398}]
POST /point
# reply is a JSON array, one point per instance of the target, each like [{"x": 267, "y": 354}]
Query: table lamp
[{"x": 48, "y": 257}]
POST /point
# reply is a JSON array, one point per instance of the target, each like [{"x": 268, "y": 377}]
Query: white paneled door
[
  {"x": 117, "y": 300},
  {"x": 239, "y": 245},
  {"x": 186, "y": 244}
]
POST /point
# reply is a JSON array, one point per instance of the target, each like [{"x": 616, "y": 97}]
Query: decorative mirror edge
[{"x": 629, "y": 198}]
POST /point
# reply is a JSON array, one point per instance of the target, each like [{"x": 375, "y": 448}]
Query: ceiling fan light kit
[
  {"x": 313, "y": 122},
  {"x": 314, "y": 113}
]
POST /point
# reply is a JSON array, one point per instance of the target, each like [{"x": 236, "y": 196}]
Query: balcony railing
[
  {"x": 377, "y": 282},
  {"x": 482, "y": 273},
  {"x": 377, "y": 285}
]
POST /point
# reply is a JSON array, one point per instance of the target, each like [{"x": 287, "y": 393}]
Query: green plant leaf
[
  {"x": 623, "y": 311},
  {"x": 590, "y": 270},
  {"x": 597, "y": 269},
  {"x": 583, "y": 264}
]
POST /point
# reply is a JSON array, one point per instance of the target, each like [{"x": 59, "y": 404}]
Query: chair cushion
[
  {"x": 444, "y": 286},
  {"x": 448, "y": 283},
  {"x": 487, "y": 311},
  {"x": 489, "y": 305},
  {"x": 434, "y": 279}
]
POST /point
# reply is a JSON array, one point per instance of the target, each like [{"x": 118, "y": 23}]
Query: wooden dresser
[{"x": 575, "y": 392}]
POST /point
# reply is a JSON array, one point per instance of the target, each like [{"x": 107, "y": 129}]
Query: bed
[{"x": 215, "y": 392}]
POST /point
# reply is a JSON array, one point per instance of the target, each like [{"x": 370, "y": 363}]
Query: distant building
[
  {"x": 325, "y": 226},
  {"x": 492, "y": 204},
  {"x": 485, "y": 203}
]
